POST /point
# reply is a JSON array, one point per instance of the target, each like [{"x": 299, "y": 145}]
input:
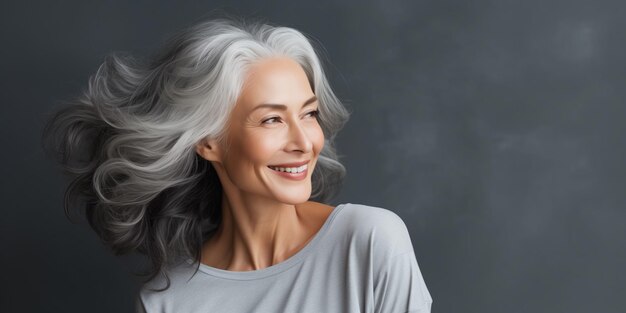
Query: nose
[{"x": 298, "y": 138}]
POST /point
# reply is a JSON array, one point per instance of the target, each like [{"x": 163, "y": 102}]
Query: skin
[{"x": 266, "y": 218}]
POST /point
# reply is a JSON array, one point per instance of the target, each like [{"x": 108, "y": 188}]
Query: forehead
[{"x": 276, "y": 80}]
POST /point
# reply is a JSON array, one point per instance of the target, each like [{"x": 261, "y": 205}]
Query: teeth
[{"x": 290, "y": 169}]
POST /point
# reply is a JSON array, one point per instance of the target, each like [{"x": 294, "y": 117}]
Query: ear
[{"x": 209, "y": 150}]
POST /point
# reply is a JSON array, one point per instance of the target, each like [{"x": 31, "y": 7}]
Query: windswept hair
[{"x": 128, "y": 141}]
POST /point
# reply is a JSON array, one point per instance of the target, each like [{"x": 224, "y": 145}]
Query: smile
[
  {"x": 298, "y": 169},
  {"x": 292, "y": 173}
]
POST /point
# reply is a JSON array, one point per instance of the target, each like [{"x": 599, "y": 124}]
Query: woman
[{"x": 215, "y": 160}]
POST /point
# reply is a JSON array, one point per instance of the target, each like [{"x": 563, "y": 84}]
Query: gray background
[{"x": 495, "y": 129}]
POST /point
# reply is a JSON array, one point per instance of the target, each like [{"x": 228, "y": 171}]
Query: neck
[{"x": 256, "y": 233}]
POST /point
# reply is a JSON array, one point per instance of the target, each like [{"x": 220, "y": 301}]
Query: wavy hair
[{"x": 128, "y": 141}]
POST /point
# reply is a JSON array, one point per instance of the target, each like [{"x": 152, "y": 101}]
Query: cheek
[
  {"x": 259, "y": 147},
  {"x": 317, "y": 137},
  {"x": 247, "y": 153}
]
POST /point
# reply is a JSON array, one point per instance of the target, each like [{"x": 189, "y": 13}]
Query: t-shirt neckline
[{"x": 279, "y": 267}]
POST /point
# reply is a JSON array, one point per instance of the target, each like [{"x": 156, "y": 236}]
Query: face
[{"x": 274, "y": 124}]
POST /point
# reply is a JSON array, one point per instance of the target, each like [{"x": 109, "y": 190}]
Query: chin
[{"x": 294, "y": 196}]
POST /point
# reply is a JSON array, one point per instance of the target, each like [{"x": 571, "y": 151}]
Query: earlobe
[{"x": 208, "y": 150}]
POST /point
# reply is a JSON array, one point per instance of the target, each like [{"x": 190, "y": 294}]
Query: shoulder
[
  {"x": 382, "y": 229},
  {"x": 153, "y": 298},
  {"x": 372, "y": 214}
]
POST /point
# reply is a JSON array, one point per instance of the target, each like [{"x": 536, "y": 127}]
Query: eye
[
  {"x": 314, "y": 113},
  {"x": 274, "y": 119},
  {"x": 270, "y": 119}
]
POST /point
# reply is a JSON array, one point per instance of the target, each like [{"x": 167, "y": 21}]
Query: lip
[
  {"x": 295, "y": 164},
  {"x": 292, "y": 176}
]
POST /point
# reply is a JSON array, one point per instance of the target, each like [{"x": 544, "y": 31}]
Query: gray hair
[{"x": 128, "y": 141}]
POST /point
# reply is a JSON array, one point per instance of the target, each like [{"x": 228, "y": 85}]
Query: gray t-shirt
[{"x": 361, "y": 260}]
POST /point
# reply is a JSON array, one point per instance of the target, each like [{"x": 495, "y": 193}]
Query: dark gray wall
[{"x": 495, "y": 129}]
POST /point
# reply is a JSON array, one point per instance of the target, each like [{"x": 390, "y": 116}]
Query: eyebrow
[{"x": 282, "y": 106}]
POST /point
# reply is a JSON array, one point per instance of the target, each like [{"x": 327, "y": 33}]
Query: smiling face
[{"x": 274, "y": 123}]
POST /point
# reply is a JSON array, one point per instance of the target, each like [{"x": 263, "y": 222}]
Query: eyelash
[{"x": 315, "y": 114}]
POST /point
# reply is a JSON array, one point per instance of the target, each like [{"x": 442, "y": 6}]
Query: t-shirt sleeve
[{"x": 401, "y": 287}]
